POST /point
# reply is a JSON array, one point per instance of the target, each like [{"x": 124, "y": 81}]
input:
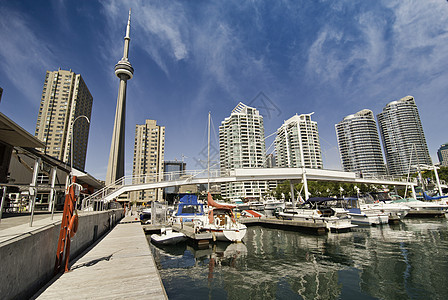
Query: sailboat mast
[{"x": 208, "y": 155}]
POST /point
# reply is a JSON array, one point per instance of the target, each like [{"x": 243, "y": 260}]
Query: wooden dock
[
  {"x": 120, "y": 266},
  {"x": 313, "y": 226}
]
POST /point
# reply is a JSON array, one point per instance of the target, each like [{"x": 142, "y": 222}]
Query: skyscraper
[
  {"x": 402, "y": 135},
  {"x": 359, "y": 144},
  {"x": 241, "y": 145},
  {"x": 124, "y": 71},
  {"x": 442, "y": 153},
  {"x": 297, "y": 143},
  {"x": 65, "y": 96},
  {"x": 149, "y": 149}
]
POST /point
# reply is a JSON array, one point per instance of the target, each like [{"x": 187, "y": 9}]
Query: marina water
[{"x": 404, "y": 261}]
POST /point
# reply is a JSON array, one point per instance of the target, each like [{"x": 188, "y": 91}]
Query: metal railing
[{"x": 184, "y": 176}]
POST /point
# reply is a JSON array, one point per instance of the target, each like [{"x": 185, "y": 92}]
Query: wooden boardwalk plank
[{"x": 120, "y": 266}]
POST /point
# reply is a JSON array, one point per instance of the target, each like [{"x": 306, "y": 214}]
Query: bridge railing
[
  {"x": 88, "y": 203},
  {"x": 384, "y": 177}
]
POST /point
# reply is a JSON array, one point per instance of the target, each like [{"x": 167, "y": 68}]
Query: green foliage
[{"x": 321, "y": 189}]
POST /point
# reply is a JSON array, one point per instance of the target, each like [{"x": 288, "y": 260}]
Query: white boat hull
[
  {"x": 369, "y": 219},
  {"x": 229, "y": 235},
  {"x": 171, "y": 238},
  {"x": 332, "y": 223}
]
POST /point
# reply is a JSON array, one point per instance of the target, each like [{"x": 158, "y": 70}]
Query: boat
[
  {"x": 145, "y": 216},
  {"x": 221, "y": 222},
  {"x": 252, "y": 214},
  {"x": 322, "y": 209},
  {"x": 271, "y": 205},
  {"x": 380, "y": 202},
  {"x": 364, "y": 216},
  {"x": 256, "y": 205},
  {"x": 188, "y": 209},
  {"x": 240, "y": 205},
  {"x": 422, "y": 208},
  {"x": 168, "y": 237}
]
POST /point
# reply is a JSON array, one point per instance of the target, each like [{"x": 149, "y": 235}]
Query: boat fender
[
  {"x": 73, "y": 225},
  {"x": 217, "y": 222}
]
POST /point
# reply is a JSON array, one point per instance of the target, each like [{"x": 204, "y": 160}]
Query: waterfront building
[
  {"x": 359, "y": 144},
  {"x": 65, "y": 96},
  {"x": 442, "y": 153},
  {"x": 297, "y": 143},
  {"x": 402, "y": 136},
  {"x": 241, "y": 145},
  {"x": 124, "y": 71},
  {"x": 149, "y": 149}
]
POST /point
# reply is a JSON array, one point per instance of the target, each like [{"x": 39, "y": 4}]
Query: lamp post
[{"x": 71, "y": 141}]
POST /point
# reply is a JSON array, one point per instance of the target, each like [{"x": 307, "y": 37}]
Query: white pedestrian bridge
[{"x": 146, "y": 182}]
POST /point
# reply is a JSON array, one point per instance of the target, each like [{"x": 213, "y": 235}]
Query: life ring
[
  {"x": 217, "y": 222},
  {"x": 73, "y": 225},
  {"x": 198, "y": 223}
]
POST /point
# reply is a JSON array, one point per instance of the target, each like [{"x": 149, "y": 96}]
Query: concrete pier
[{"x": 120, "y": 266}]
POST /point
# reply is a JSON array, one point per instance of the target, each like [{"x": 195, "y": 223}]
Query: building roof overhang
[{"x": 14, "y": 135}]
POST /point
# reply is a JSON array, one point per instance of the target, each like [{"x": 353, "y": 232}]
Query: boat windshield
[{"x": 192, "y": 209}]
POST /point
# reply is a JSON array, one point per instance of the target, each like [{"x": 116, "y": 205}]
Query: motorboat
[
  {"x": 364, "y": 216},
  {"x": 322, "y": 209},
  {"x": 168, "y": 237},
  {"x": 240, "y": 205},
  {"x": 252, "y": 214},
  {"x": 188, "y": 209},
  {"x": 380, "y": 202},
  {"x": 221, "y": 222},
  {"x": 271, "y": 205},
  {"x": 256, "y": 205},
  {"x": 422, "y": 208},
  {"x": 145, "y": 216}
]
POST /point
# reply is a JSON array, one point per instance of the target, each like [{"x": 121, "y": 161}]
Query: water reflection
[{"x": 401, "y": 261}]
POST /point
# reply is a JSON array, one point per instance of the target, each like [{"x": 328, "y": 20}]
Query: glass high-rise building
[
  {"x": 442, "y": 153},
  {"x": 65, "y": 96},
  {"x": 402, "y": 135},
  {"x": 241, "y": 145},
  {"x": 359, "y": 144},
  {"x": 149, "y": 149},
  {"x": 297, "y": 143}
]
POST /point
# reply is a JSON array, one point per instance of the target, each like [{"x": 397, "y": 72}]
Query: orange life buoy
[{"x": 73, "y": 225}]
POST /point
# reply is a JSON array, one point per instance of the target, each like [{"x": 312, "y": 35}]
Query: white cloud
[{"x": 405, "y": 45}]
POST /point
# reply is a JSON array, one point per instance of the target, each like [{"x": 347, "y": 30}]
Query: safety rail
[
  {"x": 98, "y": 196},
  {"x": 384, "y": 177}
]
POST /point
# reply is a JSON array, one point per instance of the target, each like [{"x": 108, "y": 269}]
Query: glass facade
[
  {"x": 402, "y": 136},
  {"x": 359, "y": 144}
]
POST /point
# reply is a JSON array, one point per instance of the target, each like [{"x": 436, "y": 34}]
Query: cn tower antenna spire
[
  {"x": 127, "y": 38},
  {"x": 124, "y": 71}
]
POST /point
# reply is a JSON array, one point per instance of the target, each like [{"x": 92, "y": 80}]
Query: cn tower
[{"x": 124, "y": 71}]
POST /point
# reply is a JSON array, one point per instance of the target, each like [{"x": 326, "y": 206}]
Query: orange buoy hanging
[
  {"x": 69, "y": 226},
  {"x": 73, "y": 226}
]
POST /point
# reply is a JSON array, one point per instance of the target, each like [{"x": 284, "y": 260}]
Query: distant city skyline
[{"x": 193, "y": 57}]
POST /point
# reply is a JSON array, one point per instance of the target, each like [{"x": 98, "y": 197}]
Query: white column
[
  {"x": 33, "y": 188},
  {"x": 438, "y": 181}
]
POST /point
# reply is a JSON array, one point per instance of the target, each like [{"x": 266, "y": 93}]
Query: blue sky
[{"x": 333, "y": 58}]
